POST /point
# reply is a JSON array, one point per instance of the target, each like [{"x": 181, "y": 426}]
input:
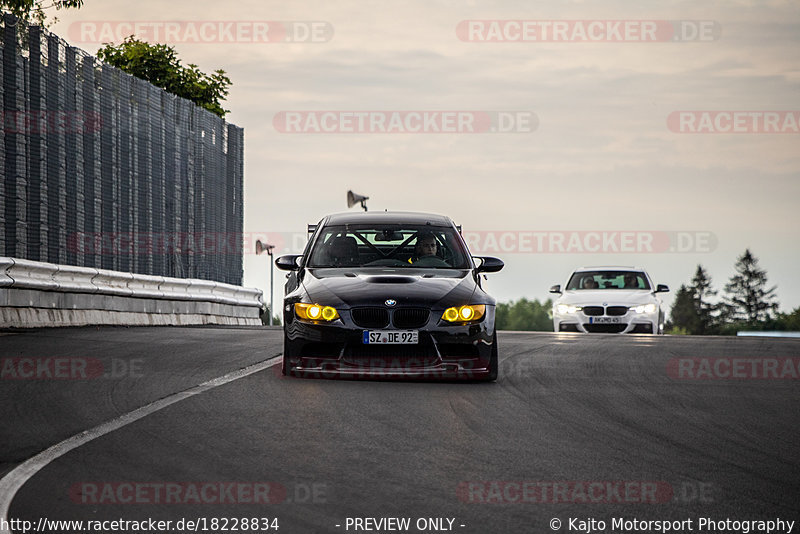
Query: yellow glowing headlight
[
  {"x": 464, "y": 314},
  {"x": 315, "y": 312}
]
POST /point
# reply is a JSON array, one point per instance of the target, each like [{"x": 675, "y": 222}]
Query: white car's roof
[{"x": 609, "y": 268}]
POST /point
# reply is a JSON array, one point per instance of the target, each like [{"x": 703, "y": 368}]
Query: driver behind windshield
[
  {"x": 631, "y": 281},
  {"x": 389, "y": 247},
  {"x": 426, "y": 246}
]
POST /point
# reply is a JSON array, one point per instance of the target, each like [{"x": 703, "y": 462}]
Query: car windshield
[
  {"x": 417, "y": 246},
  {"x": 608, "y": 280}
]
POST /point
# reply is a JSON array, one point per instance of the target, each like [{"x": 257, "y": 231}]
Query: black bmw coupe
[{"x": 388, "y": 295}]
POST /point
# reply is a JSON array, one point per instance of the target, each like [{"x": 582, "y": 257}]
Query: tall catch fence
[{"x": 102, "y": 169}]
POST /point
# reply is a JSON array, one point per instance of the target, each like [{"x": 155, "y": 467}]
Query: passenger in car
[{"x": 343, "y": 252}]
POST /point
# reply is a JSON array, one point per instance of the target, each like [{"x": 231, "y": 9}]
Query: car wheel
[
  {"x": 493, "y": 363},
  {"x": 285, "y": 360}
]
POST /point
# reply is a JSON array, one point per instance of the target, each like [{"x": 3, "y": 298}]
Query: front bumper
[
  {"x": 630, "y": 323},
  {"x": 337, "y": 350}
]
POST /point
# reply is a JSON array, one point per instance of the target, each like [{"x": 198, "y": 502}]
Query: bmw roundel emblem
[{"x": 390, "y": 302}]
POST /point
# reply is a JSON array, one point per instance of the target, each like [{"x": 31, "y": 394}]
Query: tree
[
  {"x": 789, "y": 321},
  {"x": 159, "y": 65},
  {"x": 33, "y": 11},
  {"x": 684, "y": 318},
  {"x": 747, "y": 298},
  {"x": 701, "y": 293},
  {"x": 264, "y": 315},
  {"x": 525, "y": 315}
]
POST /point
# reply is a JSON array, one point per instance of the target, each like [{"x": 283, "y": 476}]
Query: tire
[
  {"x": 494, "y": 364},
  {"x": 285, "y": 359}
]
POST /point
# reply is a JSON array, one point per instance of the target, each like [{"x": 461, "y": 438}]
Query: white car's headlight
[
  {"x": 565, "y": 308},
  {"x": 644, "y": 308}
]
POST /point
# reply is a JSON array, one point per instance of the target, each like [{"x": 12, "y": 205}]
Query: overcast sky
[{"x": 598, "y": 154}]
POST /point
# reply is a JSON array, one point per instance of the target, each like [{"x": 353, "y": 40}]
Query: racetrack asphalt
[{"x": 572, "y": 424}]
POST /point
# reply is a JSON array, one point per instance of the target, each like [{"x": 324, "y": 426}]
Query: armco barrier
[
  {"x": 36, "y": 294},
  {"x": 5, "y": 264},
  {"x": 74, "y": 279},
  {"x": 32, "y": 274},
  {"x": 113, "y": 282},
  {"x": 175, "y": 288}
]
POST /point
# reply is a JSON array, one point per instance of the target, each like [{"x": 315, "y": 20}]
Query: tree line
[
  {"x": 525, "y": 314},
  {"x": 747, "y": 303}
]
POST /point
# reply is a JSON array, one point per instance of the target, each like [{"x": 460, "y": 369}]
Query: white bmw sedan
[{"x": 615, "y": 300}]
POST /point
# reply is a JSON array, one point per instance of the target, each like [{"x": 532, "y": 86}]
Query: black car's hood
[{"x": 430, "y": 288}]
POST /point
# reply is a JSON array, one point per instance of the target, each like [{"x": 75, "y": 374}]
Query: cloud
[{"x": 601, "y": 157}]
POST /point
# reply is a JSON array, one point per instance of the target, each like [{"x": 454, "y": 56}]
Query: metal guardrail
[
  {"x": 27, "y": 274},
  {"x": 767, "y": 333}
]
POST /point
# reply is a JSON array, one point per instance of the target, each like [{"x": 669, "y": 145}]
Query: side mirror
[
  {"x": 288, "y": 263},
  {"x": 489, "y": 264},
  {"x": 662, "y": 288},
  {"x": 555, "y": 289}
]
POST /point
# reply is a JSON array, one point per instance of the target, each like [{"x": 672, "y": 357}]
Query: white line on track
[{"x": 16, "y": 478}]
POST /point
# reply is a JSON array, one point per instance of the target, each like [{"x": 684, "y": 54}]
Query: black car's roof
[{"x": 384, "y": 217}]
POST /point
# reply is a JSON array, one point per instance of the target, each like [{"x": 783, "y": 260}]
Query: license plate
[
  {"x": 596, "y": 320},
  {"x": 391, "y": 337}
]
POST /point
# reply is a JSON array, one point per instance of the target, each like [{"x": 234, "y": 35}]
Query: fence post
[{"x": 12, "y": 219}]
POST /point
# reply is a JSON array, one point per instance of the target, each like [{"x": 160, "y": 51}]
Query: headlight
[
  {"x": 643, "y": 308},
  {"x": 464, "y": 314},
  {"x": 564, "y": 308},
  {"x": 315, "y": 312}
]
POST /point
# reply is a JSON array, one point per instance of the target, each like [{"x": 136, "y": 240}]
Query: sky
[{"x": 654, "y": 134}]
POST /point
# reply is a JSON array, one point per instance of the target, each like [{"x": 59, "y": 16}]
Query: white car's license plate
[
  {"x": 595, "y": 320},
  {"x": 391, "y": 337}
]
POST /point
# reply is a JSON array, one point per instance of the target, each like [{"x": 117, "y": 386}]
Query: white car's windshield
[
  {"x": 422, "y": 246},
  {"x": 608, "y": 280}
]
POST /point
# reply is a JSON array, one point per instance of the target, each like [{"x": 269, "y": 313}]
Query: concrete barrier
[{"x": 39, "y": 294}]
